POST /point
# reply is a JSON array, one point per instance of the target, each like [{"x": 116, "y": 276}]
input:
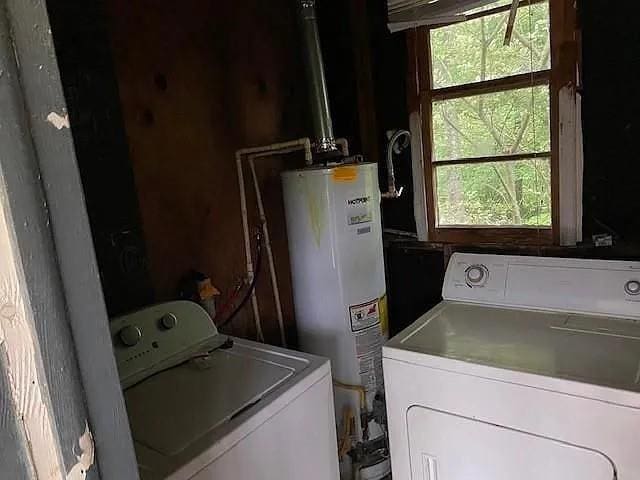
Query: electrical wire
[
  {"x": 231, "y": 299},
  {"x": 252, "y": 285}
]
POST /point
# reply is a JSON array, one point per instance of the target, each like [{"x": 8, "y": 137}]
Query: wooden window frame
[{"x": 421, "y": 95}]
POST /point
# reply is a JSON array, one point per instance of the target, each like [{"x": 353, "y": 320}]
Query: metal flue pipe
[{"x": 323, "y": 140}]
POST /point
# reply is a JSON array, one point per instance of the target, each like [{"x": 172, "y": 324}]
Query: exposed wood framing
[
  {"x": 415, "y": 125},
  {"x": 566, "y": 138},
  {"x": 32, "y": 332}
]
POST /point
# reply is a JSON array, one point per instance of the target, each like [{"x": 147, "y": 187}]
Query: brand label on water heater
[
  {"x": 359, "y": 210},
  {"x": 352, "y": 202}
]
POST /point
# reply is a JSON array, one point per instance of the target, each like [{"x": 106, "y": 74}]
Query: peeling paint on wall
[
  {"x": 86, "y": 457},
  {"x": 59, "y": 121},
  {"x": 19, "y": 342}
]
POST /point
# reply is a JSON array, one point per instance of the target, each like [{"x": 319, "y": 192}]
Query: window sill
[{"x": 501, "y": 236}]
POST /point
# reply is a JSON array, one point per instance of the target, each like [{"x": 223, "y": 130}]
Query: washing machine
[
  {"x": 528, "y": 369},
  {"x": 205, "y": 406}
]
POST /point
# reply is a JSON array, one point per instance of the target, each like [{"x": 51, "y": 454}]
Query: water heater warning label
[
  {"x": 368, "y": 324},
  {"x": 369, "y": 350},
  {"x": 364, "y": 315}
]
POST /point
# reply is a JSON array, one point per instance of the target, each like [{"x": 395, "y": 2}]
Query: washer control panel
[
  {"x": 602, "y": 287},
  {"x": 145, "y": 340}
]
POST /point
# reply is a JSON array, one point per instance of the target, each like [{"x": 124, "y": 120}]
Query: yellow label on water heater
[
  {"x": 346, "y": 173},
  {"x": 384, "y": 315}
]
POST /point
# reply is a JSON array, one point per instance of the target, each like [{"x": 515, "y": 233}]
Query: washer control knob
[
  {"x": 169, "y": 321},
  {"x": 130, "y": 335},
  {"x": 476, "y": 275},
  {"x": 632, "y": 287}
]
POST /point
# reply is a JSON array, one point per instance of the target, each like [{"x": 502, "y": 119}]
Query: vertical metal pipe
[
  {"x": 398, "y": 141},
  {"x": 321, "y": 116}
]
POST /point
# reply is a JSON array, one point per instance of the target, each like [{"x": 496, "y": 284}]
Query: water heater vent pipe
[{"x": 324, "y": 141}]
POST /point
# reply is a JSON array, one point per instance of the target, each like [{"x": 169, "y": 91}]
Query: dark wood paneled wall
[
  {"x": 91, "y": 92},
  {"x": 611, "y": 124},
  {"x": 366, "y": 75},
  {"x": 199, "y": 79}
]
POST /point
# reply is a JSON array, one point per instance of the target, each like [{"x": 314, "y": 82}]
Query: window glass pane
[
  {"x": 516, "y": 193},
  {"x": 503, "y": 123},
  {"x": 473, "y": 51}
]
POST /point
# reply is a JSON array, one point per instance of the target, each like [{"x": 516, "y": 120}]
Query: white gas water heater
[
  {"x": 337, "y": 266},
  {"x": 335, "y": 245}
]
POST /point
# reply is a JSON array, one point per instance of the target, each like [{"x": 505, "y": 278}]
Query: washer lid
[
  {"x": 170, "y": 411},
  {"x": 600, "y": 351}
]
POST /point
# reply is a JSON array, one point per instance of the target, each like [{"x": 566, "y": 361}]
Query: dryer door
[{"x": 448, "y": 447}]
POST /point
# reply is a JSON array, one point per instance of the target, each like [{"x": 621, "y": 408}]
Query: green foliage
[
  {"x": 515, "y": 121},
  {"x": 472, "y": 51},
  {"x": 510, "y": 122},
  {"x": 480, "y": 194}
]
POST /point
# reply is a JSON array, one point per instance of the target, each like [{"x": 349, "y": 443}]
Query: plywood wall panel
[{"x": 199, "y": 79}]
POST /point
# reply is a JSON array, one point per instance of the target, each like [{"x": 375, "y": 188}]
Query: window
[{"x": 487, "y": 111}]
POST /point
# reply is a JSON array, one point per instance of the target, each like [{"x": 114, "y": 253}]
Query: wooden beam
[
  {"x": 468, "y": 234},
  {"x": 420, "y": 195},
  {"x": 501, "y": 9},
  {"x": 472, "y": 16},
  {"x": 523, "y": 80},
  {"x": 369, "y": 136},
  {"x": 492, "y": 159},
  {"x": 424, "y": 62},
  {"x": 510, "y": 22},
  {"x": 59, "y": 283},
  {"x": 564, "y": 62}
]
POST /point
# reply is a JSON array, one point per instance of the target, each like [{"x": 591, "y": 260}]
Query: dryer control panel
[{"x": 599, "y": 287}]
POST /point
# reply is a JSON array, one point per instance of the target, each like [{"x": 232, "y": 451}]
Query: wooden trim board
[{"x": 60, "y": 286}]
